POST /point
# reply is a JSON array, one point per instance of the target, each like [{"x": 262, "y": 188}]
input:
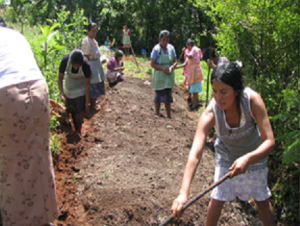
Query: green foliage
[
  {"x": 71, "y": 27},
  {"x": 54, "y": 123},
  {"x": 46, "y": 44},
  {"x": 144, "y": 18},
  {"x": 55, "y": 144},
  {"x": 18, "y": 12},
  {"x": 179, "y": 78},
  {"x": 286, "y": 195},
  {"x": 289, "y": 129}
]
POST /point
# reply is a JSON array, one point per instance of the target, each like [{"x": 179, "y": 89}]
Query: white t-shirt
[{"x": 17, "y": 63}]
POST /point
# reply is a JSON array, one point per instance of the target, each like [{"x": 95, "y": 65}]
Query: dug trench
[{"x": 127, "y": 168}]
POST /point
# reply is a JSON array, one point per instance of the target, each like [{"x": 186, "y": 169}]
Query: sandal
[
  {"x": 159, "y": 116},
  {"x": 194, "y": 108},
  {"x": 189, "y": 102}
]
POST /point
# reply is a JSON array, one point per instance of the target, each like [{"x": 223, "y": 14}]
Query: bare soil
[{"x": 128, "y": 167}]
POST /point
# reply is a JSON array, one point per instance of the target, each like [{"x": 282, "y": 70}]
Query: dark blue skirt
[
  {"x": 162, "y": 96},
  {"x": 97, "y": 90}
]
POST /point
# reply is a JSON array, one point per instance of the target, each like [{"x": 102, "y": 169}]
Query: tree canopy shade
[
  {"x": 263, "y": 34},
  {"x": 145, "y": 19}
]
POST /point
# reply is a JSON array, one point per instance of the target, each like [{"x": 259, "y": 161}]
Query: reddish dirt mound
[{"x": 127, "y": 170}]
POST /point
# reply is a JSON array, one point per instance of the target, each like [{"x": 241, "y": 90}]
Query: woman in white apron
[
  {"x": 76, "y": 90},
  {"x": 91, "y": 51}
]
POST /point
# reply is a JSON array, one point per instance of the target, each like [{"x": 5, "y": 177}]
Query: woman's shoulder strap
[
  {"x": 246, "y": 99},
  {"x": 217, "y": 114}
]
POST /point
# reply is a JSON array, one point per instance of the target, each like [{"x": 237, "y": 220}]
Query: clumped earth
[{"x": 127, "y": 168}]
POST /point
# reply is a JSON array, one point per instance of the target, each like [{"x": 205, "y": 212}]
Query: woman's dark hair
[
  {"x": 76, "y": 57},
  {"x": 164, "y": 33},
  {"x": 118, "y": 53},
  {"x": 230, "y": 74},
  {"x": 91, "y": 25},
  {"x": 209, "y": 51},
  {"x": 190, "y": 42}
]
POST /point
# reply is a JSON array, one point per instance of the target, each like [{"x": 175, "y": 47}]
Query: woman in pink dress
[{"x": 193, "y": 74}]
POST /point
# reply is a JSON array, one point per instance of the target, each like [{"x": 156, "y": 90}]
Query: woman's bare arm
[
  {"x": 205, "y": 123},
  {"x": 60, "y": 86}
]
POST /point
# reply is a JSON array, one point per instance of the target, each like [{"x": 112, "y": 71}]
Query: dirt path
[{"x": 131, "y": 165}]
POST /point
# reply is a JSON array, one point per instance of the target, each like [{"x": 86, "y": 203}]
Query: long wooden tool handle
[
  {"x": 180, "y": 56},
  {"x": 207, "y": 86},
  {"x": 133, "y": 52},
  {"x": 220, "y": 181}
]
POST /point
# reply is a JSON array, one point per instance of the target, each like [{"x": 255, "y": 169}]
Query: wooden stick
[
  {"x": 133, "y": 53},
  {"x": 220, "y": 181},
  {"x": 208, "y": 76},
  {"x": 180, "y": 56},
  {"x": 207, "y": 86}
]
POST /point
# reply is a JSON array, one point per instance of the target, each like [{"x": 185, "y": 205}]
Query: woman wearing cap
[
  {"x": 27, "y": 187},
  {"x": 91, "y": 51},
  {"x": 163, "y": 61},
  {"x": 115, "y": 68},
  {"x": 76, "y": 90}
]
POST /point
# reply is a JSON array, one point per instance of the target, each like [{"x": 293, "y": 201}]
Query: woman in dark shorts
[
  {"x": 163, "y": 61},
  {"x": 76, "y": 91}
]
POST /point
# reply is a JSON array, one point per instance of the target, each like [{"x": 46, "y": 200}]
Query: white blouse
[{"x": 17, "y": 63}]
